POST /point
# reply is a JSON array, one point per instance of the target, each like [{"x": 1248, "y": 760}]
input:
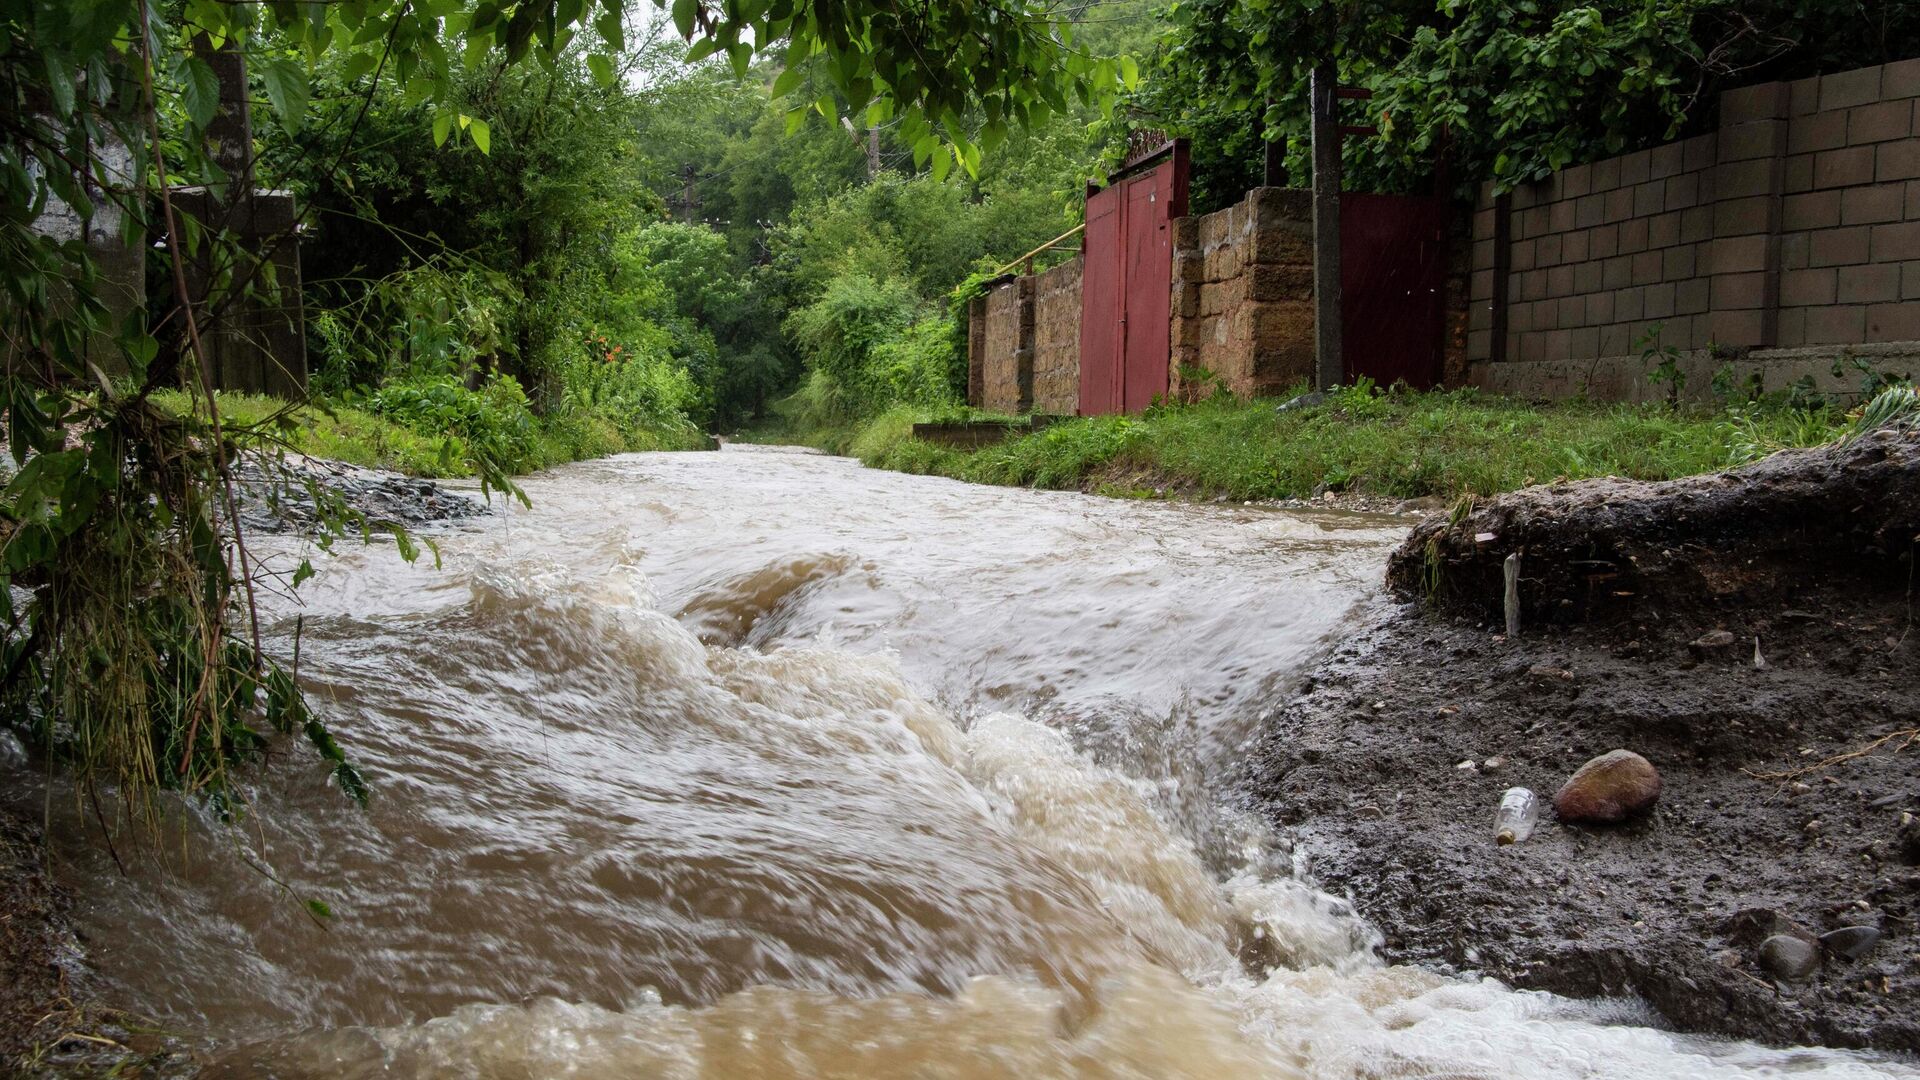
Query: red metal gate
[
  {"x": 1127, "y": 284},
  {"x": 1393, "y": 276}
]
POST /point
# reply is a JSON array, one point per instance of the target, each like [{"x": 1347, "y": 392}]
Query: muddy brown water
[{"x": 763, "y": 764}]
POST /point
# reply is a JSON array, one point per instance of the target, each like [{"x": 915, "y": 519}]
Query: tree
[
  {"x": 1513, "y": 88},
  {"x": 137, "y": 656}
]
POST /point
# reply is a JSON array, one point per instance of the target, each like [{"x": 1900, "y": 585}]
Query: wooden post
[{"x": 1329, "y": 364}]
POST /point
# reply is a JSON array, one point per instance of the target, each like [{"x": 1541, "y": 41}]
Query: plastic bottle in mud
[{"x": 1519, "y": 812}]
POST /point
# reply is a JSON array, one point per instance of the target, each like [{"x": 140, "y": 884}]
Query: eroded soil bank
[{"x": 1789, "y": 780}]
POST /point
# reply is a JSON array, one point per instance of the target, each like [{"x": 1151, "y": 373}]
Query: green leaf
[
  {"x": 602, "y": 68},
  {"x": 302, "y": 572},
  {"x": 482, "y": 136},
  {"x": 286, "y": 83},
  {"x": 1129, "y": 72},
  {"x": 787, "y": 81},
  {"x": 357, "y": 65},
  {"x": 199, "y": 91},
  {"x": 683, "y": 11},
  {"x": 612, "y": 27},
  {"x": 442, "y": 127},
  {"x": 319, "y": 909}
]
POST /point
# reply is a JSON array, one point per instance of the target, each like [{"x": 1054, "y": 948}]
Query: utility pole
[
  {"x": 873, "y": 152},
  {"x": 689, "y": 194},
  {"x": 1329, "y": 364}
]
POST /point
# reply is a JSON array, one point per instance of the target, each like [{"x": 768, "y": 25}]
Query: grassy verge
[
  {"x": 340, "y": 432},
  {"x": 1360, "y": 441}
]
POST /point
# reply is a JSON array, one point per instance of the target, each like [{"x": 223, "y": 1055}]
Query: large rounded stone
[
  {"x": 1610, "y": 788},
  {"x": 1789, "y": 958}
]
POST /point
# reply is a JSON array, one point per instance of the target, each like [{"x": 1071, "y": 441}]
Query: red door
[
  {"x": 1126, "y": 300},
  {"x": 1393, "y": 274},
  {"x": 1101, "y": 306}
]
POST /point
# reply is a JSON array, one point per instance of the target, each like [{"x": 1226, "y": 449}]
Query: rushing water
[{"x": 758, "y": 764}]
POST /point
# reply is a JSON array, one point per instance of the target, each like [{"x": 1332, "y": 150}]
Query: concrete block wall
[
  {"x": 1006, "y": 360},
  {"x": 1056, "y": 339},
  {"x": 1243, "y": 294},
  {"x": 1794, "y": 225}
]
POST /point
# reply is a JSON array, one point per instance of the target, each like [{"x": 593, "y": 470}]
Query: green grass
[
  {"x": 340, "y": 432},
  {"x": 1397, "y": 445}
]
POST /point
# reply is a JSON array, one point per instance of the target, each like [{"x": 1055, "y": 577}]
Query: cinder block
[
  {"x": 1524, "y": 196},
  {"x": 1633, "y": 235},
  {"x": 1614, "y": 340},
  {"x": 1869, "y": 283},
  {"x": 1812, "y": 210},
  {"x": 1894, "y": 322},
  {"x": 1519, "y": 317},
  {"x": 1605, "y": 242},
  {"x": 1649, "y": 198},
  {"x": 1910, "y": 280},
  {"x": 1872, "y": 204},
  {"x": 1897, "y": 160},
  {"x": 1480, "y": 315},
  {"x": 1790, "y": 328},
  {"x": 1840, "y": 247},
  {"x": 1737, "y": 328},
  {"x": 1843, "y": 168},
  {"x": 1803, "y": 96},
  {"x": 1738, "y": 254},
  {"x": 1574, "y": 182},
  {"x": 1667, "y": 160},
  {"x": 1738, "y": 217},
  {"x": 1690, "y": 297},
  {"x": 1896, "y": 243},
  {"x": 1798, "y": 175},
  {"x": 1606, "y": 174},
  {"x": 1533, "y": 285},
  {"x": 1732, "y": 291},
  {"x": 1738, "y": 179},
  {"x": 1587, "y": 277},
  {"x": 1520, "y": 256},
  {"x": 1629, "y": 304},
  {"x": 1600, "y": 308},
  {"x": 1699, "y": 152},
  {"x": 1537, "y": 221},
  {"x": 1750, "y": 141},
  {"x": 1804, "y": 288},
  {"x": 1560, "y": 215},
  {"x": 1589, "y": 210},
  {"x": 1647, "y": 268},
  {"x": 1560, "y": 281},
  {"x": 1479, "y": 285},
  {"x": 1913, "y": 200},
  {"x": 1295, "y": 282},
  {"x": 1617, "y": 272},
  {"x": 1278, "y": 242},
  {"x": 1682, "y": 191},
  {"x": 1663, "y": 230},
  {"x": 1575, "y": 245},
  {"x": 1796, "y": 251},
  {"x": 1836, "y": 324},
  {"x": 1583, "y": 343},
  {"x": 1816, "y": 131},
  {"x": 1677, "y": 262},
  {"x": 1619, "y": 204},
  {"x": 1849, "y": 88},
  {"x": 1479, "y": 344},
  {"x": 1659, "y": 300},
  {"x": 1548, "y": 249},
  {"x": 1636, "y": 168},
  {"x": 1900, "y": 79},
  {"x": 1765, "y": 101},
  {"x": 1879, "y": 122},
  {"x": 1696, "y": 224}
]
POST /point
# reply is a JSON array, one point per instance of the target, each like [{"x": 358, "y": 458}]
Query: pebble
[
  {"x": 1850, "y": 942},
  {"x": 1711, "y": 641},
  {"x": 1610, "y": 788},
  {"x": 1789, "y": 958}
]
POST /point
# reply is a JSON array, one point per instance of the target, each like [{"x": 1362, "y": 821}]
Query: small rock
[
  {"x": 12, "y": 754},
  {"x": 1908, "y": 836},
  {"x": 1493, "y": 763},
  {"x": 1712, "y": 642},
  {"x": 1369, "y": 812},
  {"x": 1850, "y": 942},
  {"x": 1304, "y": 401},
  {"x": 1813, "y": 828},
  {"x": 1789, "y": 958},
  {"x": 1426, "y": 504},
  {"x": 1465, "y": 766},
  {"x": 1885, "y": 801},
  {"x": 1610, "y": 788}
]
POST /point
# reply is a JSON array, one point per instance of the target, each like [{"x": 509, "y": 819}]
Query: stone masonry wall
[
  {"x": 1056, "y": 339},
  {"x": 1243, "y": 294},
  {"x": 1007, "y": 356},
  {"x": 1788, "y": 235}
]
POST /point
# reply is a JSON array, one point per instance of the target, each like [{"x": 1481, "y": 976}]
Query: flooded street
[{"x": 764, "y": 764}]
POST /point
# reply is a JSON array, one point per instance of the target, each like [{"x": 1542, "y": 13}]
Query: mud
[{"x": 1786, "y": 744}]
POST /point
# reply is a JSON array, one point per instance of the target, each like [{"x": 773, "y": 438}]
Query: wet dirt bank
[{"x": 1790, "y": 784}]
